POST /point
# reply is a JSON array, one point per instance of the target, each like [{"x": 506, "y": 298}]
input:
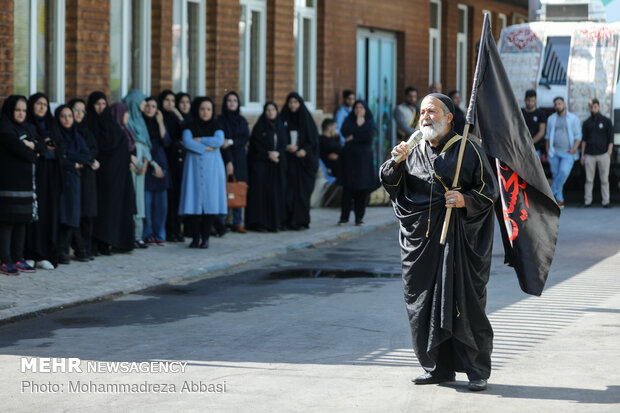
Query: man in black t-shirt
[
  {"x": 536, "y": 122},
  {"x": 596, "y": 146}
]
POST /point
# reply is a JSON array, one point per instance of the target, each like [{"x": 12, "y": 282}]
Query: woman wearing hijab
[
  {"x": 19, "y": 150},
  {"x": 175, "y": 153},
  {"x": 237, "y": 134},
  {"x": 135, "y": 105},
  {"x": 302, "y": 160},
  {"x": 157, "y": 180},
  {"x": 203, "y": 192},
  {"x": 89, "y": 182},
  {"x": 121, "y": 117},
  {"x": 43, "y": 236},
  {"x": 115, "y": 195},
  {"x": 184, "y": 105},
  {"x": 76, "y": 157},
  {"x": 358, "y": 173},
  {"x": 266, "y": 208}
]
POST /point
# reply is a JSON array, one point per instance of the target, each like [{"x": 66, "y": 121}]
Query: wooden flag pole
[
  {"x": 455, "y": 183},
  {"x": 469, "y": 121}
]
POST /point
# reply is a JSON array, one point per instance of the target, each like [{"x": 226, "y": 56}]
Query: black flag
[{"x": 528, "y": 213}]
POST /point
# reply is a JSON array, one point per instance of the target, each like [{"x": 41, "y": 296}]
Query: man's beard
[{"x": 430, "y": 132}]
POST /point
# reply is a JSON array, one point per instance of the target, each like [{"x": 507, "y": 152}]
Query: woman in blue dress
[{"x": 203, "y": 190}]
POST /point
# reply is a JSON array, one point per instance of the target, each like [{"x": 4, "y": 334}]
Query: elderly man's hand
[
  {"x": 402, "y": 151},
  {"x": 454, "y": 199}
]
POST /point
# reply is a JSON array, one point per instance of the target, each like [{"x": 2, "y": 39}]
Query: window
[
  {"x": 252, "y": 43},
  {"x": 188, "y": 51},
  {"x": 39, "y": 64},
  {"x": 555, "y": 60},
  {"x": 434, "y": 58},
  {"x": 461, "y": 52},
  {"x": 130, "y": 47},
  {"x": 304, "y": 30}
]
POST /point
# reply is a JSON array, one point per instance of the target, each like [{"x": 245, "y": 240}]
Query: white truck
[{"x": 575, "y": 60}]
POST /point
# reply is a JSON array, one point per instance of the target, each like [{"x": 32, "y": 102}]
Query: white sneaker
[
  {"x": 30, "y": 262},
  {"x": 45, "y": 265}
]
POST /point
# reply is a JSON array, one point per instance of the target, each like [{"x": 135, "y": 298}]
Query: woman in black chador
[
  {"x": 75, "y": 159},
  {"x": 89, "y": 182},
  {"x": 175, "y": 153},
  {"x": 302, "y": 160},
  {"x": 43, "y": 236},
  {"x": 115, "y": 195},
  {"x": 357, "y": 172},
  {"x": 267, "y": 164},
  {"x": 236, "y": 129},
  {"x": 18, "y": 154}
]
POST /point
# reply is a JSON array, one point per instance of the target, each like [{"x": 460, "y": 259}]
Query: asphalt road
[{"x": 325, "y": 329}]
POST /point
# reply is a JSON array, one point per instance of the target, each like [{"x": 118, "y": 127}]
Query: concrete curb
[{"x": 12, "y": 311}]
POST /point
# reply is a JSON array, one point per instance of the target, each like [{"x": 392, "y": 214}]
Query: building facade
[{"x": 262, "y": 48}]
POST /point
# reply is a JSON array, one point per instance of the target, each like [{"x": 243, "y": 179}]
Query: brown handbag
[{"x": 236, "y": 193}]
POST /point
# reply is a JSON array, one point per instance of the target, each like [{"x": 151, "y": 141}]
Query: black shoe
[
  {"x": 586, "y": 205},
  {"x": 204, "y": 244},
  {"x": 429, "y": 378},
  {"x": 180, "y": 238},
  {"x": 477, "y": 385},
  {"x": 359, "y": 223},
  {"x": 342, "y": 222},
  {"x": 607, "y": 206},
  {"x": 64, "y": 259},
  {"x": 104, "y": 250},
  {"x": 194, "y": 243},
  {"x": 81, "y": 258}
]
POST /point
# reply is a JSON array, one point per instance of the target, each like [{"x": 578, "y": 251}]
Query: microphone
[{"x": 411, "y": 142}]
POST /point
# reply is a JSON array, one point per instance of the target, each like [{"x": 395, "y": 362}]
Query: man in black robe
[{"x": 445, "y": 286}]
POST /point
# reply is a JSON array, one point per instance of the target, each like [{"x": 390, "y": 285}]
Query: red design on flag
[{"x": 510, "y": 189}]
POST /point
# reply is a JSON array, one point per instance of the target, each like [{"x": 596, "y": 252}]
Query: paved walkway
[{"x": 119, "y": 274}]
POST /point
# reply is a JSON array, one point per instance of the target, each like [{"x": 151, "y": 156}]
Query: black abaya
[
  {"x": 115, "y": 194},
  {"x": 445, "y": 286},
  {"x": 301, "y": 171},
  {"x": 43, "y": 236},
  {"x": 266, "y": 203}
]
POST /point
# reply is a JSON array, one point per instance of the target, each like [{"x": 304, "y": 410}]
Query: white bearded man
[{"x": 445, "y": 285}]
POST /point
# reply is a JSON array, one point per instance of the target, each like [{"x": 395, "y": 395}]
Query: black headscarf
[
  {"x": 275, "y": 125},
  {"x": 231, "y": 122},
  {"x": 9, "y": 124},
  {"x": 368, "y": 118},
  {"x": 186, "y": 116},
  {"x": 198, "y": 126},
  {"x": 170, "y": 119},
  {"x": 107, "y": 133},
  {"x": 43, "y": 124},
  {"x": 301, "y": 121},
  {"x": 81, "y": 126},
  {"x": 75, "y": 147},
  {"x": 151, "y": 122}
]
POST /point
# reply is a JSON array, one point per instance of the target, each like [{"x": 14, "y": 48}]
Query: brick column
[
  {"x": 222, "y": 66},
  {"x": 161, "y": 45},
  {"x": 6, "y": 49},
  {"x": 280, "y": 76},
  {"x": 449, "y": 24},
  {"x": 87, "y": 47}
]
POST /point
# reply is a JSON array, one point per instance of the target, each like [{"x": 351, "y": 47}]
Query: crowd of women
[{"x": 101, "y": 179}]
